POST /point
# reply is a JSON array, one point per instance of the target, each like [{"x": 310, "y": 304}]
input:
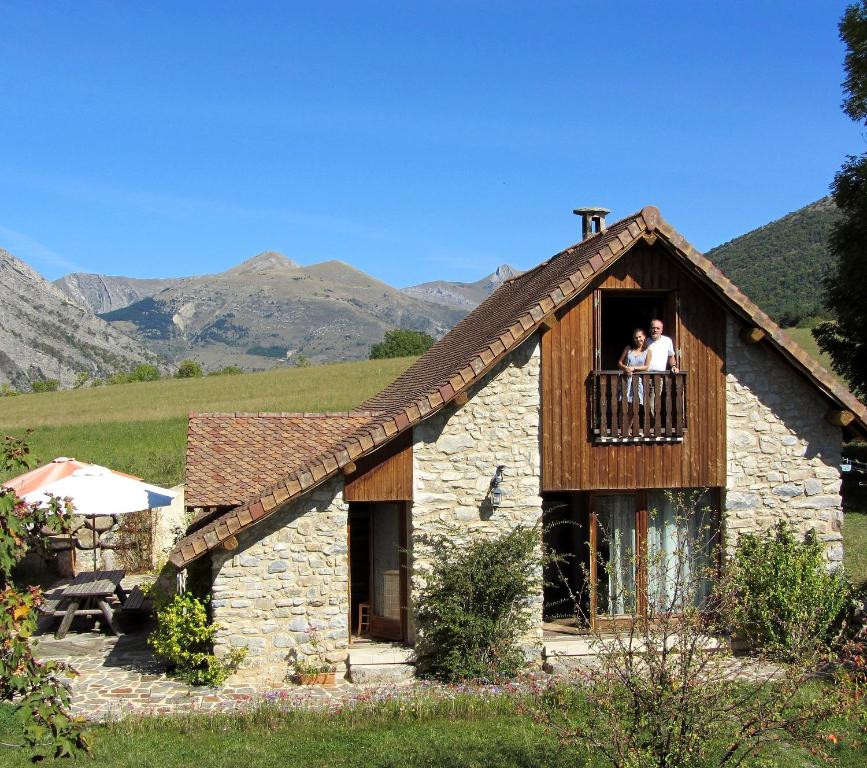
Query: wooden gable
[
  {"x": 383, "y": 476},
  {"x": 571, "y": 460}
]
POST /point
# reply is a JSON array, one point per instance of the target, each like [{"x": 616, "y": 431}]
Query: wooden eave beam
[
  {"x": 752, "y": 335},
  {"x": 839, "y": 418},
  {"x": 550, "y": 322}
]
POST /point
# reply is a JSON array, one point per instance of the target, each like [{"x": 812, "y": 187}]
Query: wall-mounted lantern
[{"x": 495, "y": 490}]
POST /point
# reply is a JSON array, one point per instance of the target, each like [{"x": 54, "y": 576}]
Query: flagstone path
[{"x": 118, "y": 676}]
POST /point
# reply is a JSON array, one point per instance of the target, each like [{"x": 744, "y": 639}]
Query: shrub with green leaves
[
  {"x": 785, "y": 600},
  {"x": 474, "y": 606},
  {"x": 189, "y": 369},
  {"x": 183, "y": 639},
  {"x": 40, "y": 700},
  {"x": 46, "y": 385}
]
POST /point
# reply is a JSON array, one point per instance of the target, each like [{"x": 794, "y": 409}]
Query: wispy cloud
[
  {"x": 144, "y": 201},
  {"x": 36, "y": 254}
]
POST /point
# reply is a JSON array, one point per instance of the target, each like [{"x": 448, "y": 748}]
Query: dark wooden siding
[
  {"x": 384, "y": 476},
  {"x": 570, "y": 458}
]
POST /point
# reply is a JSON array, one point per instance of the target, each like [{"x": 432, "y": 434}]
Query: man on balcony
[{"x": 662, "y": 357}]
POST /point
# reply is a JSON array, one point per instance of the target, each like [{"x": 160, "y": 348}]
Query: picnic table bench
[{"x": 88, "y": 595}]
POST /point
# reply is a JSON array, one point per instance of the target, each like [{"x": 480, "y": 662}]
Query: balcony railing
[{"x": 657, "y": 412}]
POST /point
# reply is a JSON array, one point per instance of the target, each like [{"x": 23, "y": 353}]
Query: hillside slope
[
  {"x": 43, "y": 335},
  {"x": 269, "y": 308},
  {"x": 781, "y": 265}
]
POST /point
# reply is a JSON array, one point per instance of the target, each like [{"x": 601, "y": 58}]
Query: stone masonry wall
[
  {"x": 288, "y": 573},
  {"x": 456, "y": 452},
  {"x": 783, "y": 457}
]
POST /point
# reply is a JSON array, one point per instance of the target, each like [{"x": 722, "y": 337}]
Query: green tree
[
  {"x": 189, "y": 369},
  {"x": 846, "y": 286},
  {"x": 401, "y": 342}
]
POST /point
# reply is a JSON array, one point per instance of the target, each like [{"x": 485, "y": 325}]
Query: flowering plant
[{"x": 314, "y": 663}]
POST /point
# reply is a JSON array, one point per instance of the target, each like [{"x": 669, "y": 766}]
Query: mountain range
[
  {"x": 270, "y": 309},
  {"x": 45, "y": 335}
]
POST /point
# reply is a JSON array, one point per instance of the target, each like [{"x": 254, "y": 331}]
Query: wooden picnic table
[{"x": 88, "y": 595}]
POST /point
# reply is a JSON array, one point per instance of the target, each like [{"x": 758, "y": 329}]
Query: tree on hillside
[
  {"x": 846, "y": 287},
  {"x": 401, "y": 342},
  {"x": 189, "y": 369}
]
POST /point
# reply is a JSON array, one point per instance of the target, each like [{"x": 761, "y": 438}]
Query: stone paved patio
[{"x": 118, "y": 676}]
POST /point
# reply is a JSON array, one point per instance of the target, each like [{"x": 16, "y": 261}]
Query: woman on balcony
[{"x": 635, "y": 359}]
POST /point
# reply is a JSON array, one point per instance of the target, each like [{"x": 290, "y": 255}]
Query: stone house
[{"x": 315, "y": 519}]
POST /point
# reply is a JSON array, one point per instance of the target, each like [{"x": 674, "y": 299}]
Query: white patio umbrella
[{"x": 96, "y": 491}]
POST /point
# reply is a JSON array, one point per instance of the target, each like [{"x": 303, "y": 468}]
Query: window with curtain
[
  {"x": 655, "y": 550},
  {"x": 617, "y": 547},
  {"x": 681, "y": 531}
]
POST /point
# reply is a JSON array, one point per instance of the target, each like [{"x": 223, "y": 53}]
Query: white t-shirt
[{"x": 660, "y": 350}]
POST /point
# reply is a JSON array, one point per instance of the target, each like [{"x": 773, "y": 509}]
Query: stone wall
[
  {"x": 783, "y": 457},
  {"x": 456, "y": 452},
  {"x": 289, "y": 572}
]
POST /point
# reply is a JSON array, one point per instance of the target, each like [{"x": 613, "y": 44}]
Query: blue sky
[{"x": 413, "y": 140}]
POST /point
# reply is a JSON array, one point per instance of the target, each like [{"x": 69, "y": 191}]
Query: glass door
[
  {"x": 387, "y": 571},
  {"x": 614, "y": 563}
]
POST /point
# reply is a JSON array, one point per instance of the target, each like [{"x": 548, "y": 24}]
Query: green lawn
[{"x": 484, "y": 734}]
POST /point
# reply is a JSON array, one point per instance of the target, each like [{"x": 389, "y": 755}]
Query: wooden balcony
[{"x": 656, "y": 414}]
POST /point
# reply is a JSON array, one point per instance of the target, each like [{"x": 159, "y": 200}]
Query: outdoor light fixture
[{"x": 495, "y": 490}]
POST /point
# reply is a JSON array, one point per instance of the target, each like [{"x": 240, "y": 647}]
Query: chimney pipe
[{"x": 592, "y": 220}]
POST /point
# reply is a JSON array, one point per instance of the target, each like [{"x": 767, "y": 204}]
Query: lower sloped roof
[{"x": 233, "y": 456}]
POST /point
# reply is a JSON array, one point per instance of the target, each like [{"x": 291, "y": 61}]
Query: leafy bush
[
  {"x": 785, "y": 600},
  {"x": 401, "y": 342},
  {"x": 145, "y": 372},
  {"x": 142, "y": 372},
  {"x": 189, "y": 369},
  {"x": 39, "y": 699},
  {"x": 183, "y": 640},
  {"x": 226, "y": 370},
  {"x": 46, "y": 385},
  {"x": 473, "y": 607},
  {"x": 662, "y": 690}
]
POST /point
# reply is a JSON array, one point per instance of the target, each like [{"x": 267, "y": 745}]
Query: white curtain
[
  {"x": 386, "y": 561},
  {"x": 616, "y": 554},
  {"x": 680, "y": 537}
]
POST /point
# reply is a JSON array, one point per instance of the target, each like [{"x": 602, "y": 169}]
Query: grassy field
[
  {"x": 486, "y": 734},
  {"x": 855, "y": 547},
  {"x": 804, "y": 339},
  {"x": 141, "y": 428}
]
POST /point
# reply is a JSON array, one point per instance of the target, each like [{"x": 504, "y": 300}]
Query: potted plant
[{"x": 312, "y": 669}]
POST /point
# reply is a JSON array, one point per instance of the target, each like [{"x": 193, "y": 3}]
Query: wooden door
[{"x": 388, "y": 587}]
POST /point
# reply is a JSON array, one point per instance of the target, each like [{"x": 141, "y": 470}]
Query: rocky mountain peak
[{"x": 267, "y": 261}]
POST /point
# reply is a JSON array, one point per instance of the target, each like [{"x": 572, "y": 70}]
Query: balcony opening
[
  {"x": 640, "y": 407},
  {"x": 622, "y": 311}
]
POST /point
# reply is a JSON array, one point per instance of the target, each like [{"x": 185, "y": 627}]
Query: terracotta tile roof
[
  {"x": 489, "y": 332},
  {"x": 232, "y": 457}
]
